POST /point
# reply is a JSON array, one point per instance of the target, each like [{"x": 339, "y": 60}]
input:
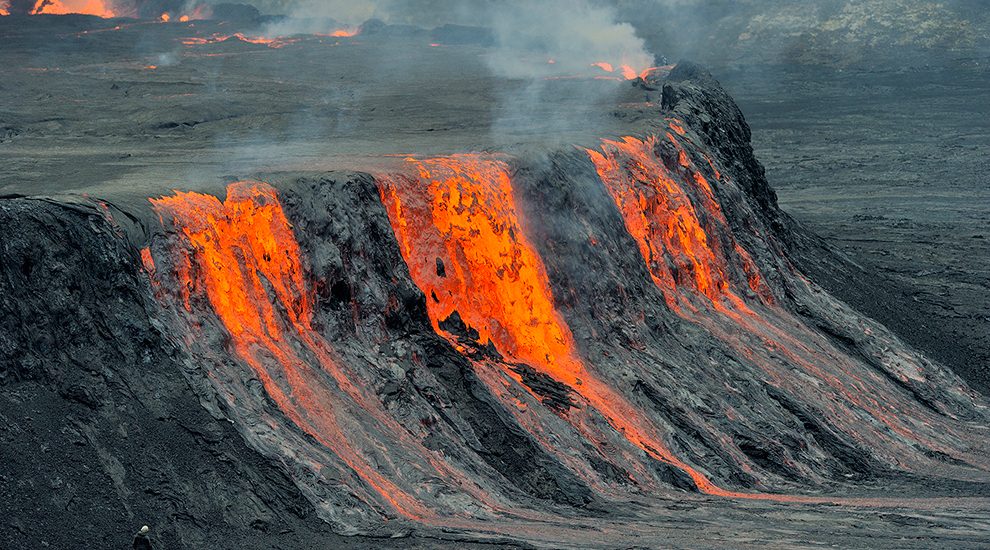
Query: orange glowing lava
[
  {"x": 672, "y": 214},
  {"x": 626, "y": 71},
  {"x": 277, "y": 42},
  {"x": 98, "y": 8},
  {"x": 242, "y": 256},
  {"x": 661, "y": 217},
  {"x": 496, "y": 283},
  {"x": 345, "y": 32},
  {"x": 607, "y": 67},
  {"x": 200, "y": 11},
  {"x": 461, "y": 234},
  {"x": 647, "y": 72}
]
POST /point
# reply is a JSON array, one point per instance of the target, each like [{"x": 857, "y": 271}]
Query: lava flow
[
  {"x": 242, "y": 256},
  {"x": 462, "y": 236},
  {"x": 345, "y": 32},
  {"x": 683, "y": 237},
  {"x": 626, "y": 71},
  {"x": 98, "y": 8},
  {"x": 277, "y": 42},
  {"x": 665, "y": 223}
]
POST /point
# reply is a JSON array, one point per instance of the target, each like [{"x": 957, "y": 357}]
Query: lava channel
[
  {"x": 687, "y": 245},
  {"x": 462, "y": 236},
  {"x": 238, "y": 254}
]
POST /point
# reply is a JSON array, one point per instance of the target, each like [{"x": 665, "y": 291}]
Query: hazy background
[{"x": 835, "y": 32}]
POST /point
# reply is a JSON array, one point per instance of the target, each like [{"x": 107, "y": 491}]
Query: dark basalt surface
[{"x": 112, "y": 416}]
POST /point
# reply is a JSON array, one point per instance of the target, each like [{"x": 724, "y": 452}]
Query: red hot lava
[
  {"x": 660, "y": 214},
  {"x": 461, "y": 213},
  {"x": 98, "y": 8},
  {"x": 626, "y": 71},
  {"x": 237, "y": 253}
]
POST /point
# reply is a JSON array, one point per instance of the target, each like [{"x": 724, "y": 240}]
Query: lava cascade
[
  {"x": 242, "y": 257},
  {"x": 462, "y": 236},
  {"x": 671, "y": 211},
  {"x": 677, "y": 239}
]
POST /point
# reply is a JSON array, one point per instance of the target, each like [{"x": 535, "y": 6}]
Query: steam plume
[{"x": 536, "y": 40}]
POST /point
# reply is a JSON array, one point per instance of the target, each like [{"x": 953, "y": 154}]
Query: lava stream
[
  {"x": 237, "y": 253},
  {"x": 98, "y": 8},
  {"x": 674, "y": 218},
  {"x": 668, "y": 228},
  {"x": 461, "y": 235}
]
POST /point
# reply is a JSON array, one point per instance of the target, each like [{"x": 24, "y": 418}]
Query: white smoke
[
  {"x": 322, "y": 17},
  {"x": 561, "y": 37},
  {"x": 533, "y": 39}
]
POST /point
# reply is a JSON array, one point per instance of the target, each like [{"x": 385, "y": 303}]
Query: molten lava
[
  {"x": 495, "y": 280},
  {"x": 666, "y": 220},
  {"x": 626, "y": 71},
  {"x": 277, "y": 42},
  {"x": 671, "y": 212},
  {"x": 242, "y": 257},
  {"x": 345, "y": 32},
  {"x": 98, "y": 8},
  {"x": 462, "y": 236},
  {"x": 607, "y": 67}
]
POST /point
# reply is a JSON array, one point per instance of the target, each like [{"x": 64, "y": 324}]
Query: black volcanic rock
[
  {"x": 98, "y": 416},
  {"x": 234, "y": 12},
  {"x": 693, "y": 94}
]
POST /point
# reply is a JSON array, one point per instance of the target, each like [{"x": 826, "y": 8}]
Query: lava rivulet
[
  {"x": 683, "y": 237},
  {"x": 461, "y": 233},
  {"x": 670, "y": 230},
  {"x": 276, "y": 42},
  {"x": 236, "y": 254}
]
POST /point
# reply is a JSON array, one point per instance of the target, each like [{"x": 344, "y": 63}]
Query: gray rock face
[{"x": 574, "y": 348}]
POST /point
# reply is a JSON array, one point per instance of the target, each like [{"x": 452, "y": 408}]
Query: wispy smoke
[
  {"x": 322, "y": 16},
  {"x": 538, "y": 42},
  {"x": 540, "y": 39}
]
